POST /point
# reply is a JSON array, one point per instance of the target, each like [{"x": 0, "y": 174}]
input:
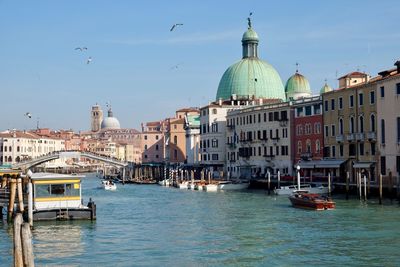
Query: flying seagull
[
  {"x": 89, "y": 60},
  {"x": 251, "y": 13},
  {"x": 176, "y": 66},
  {"x": 175, "y": 25},
  {"x": 81, "y": 48},
  {"x": 28, "y": 114}
]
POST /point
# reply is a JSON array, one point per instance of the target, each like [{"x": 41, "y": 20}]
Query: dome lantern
[{"x": 250, "y": 42}]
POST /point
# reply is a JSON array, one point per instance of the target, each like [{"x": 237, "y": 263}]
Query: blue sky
[{"x": 133, "y": 52}]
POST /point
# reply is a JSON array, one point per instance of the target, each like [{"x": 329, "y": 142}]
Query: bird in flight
[
  {"x": 81, "y": 48},
  {"x": 175, "y": 25},
  {"x": 251, "y": 13},
  {"x": 89, "y": 60},
  {"x": 175, "y": 67},
  {"x": 28, "y": 114}
]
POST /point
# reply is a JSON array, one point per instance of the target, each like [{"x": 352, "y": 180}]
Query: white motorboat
[
  {"x": 210, "y": 187},
  {"x": 109, "y": 185},
  {"x": 183, "y": 185},
  {"x": 304, "y": 188},
  {"x": 233, "y": 185},
  {"x": 165, "y": 182}
]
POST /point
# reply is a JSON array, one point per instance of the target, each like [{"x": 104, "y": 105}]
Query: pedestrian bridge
[{"x": 68, "y": 154}]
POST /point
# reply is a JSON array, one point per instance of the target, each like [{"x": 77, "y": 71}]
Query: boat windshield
[{"x": 57, "y": 190}]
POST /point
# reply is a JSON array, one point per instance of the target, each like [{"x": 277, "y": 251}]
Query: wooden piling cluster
[
  {"x": 23, "y": 249},
  {"x": 14, "y": 186}
]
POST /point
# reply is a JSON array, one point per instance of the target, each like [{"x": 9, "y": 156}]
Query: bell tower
[{"x": 96, "y": 118}]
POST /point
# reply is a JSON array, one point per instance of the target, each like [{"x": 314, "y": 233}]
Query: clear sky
[{"x": 134, "y": 52}]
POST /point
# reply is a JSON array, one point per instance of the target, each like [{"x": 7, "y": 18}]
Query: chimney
[
  {"x": 220, "y": 101},
  {"x": 397, "y": 64}
]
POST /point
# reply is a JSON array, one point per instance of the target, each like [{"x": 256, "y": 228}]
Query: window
[
  {"x": 373, "y": 150},
  {"x": 214, "y": 143},
  {"x": 317, "y": 109},
  {"x": 361, "y": 124},
  {"x": 383, "y": 165},
  {"x": 145, "y": 137},
  {"x": 259, "y": 151},
  {"x": 398, "y": 164},
  {"x": 299, "y": 147},
  {"x": 317, "y": 128},
  {"x": 332, "y": 104},
  {"x": 145, "y": 147},
  {"x": 156, "y": 137},
  {"x": 361, "y": 149},
  {"x": 382, "y": 89},
  {"x": 340, "y": 102},
  {"x": 383, "y": 139},
  {"x": 333, "y": 128},
  {"x": 341, "y": 150},
  {"x": 351, "y": 102},
  {"x": 372, "y": 124},
  {"x": 299, "y": 112},
  {"x": 360, "y": 99},
  {"x": 214, "y": 156},
  {"x": 326, "y": 105},
  {"x": 317, "y": 146},
  {"x": 372, "y": 97},
  {"x": 270, "y": 116},
  {"x": 326, "y": 130},
  {"x": 352, "y": 125},
  {"x": 398, "y": 88},
  {"x": 214, "y": 127},
  {"x": 299, "y": 129},
  {"x": 308, "y": 146},
  {"x": 156, "y": 147},
  {"x": 341, "y": 126},
  {"x": 308, "y": 111},
  {"x": 175, "y": 126},
  {"x": 265, "y": 117},
  {"x": 333, "y": 151},
  {"x": 259, "y": 117},
  {"x": 175, "y": 154},
  {"x": 277, "y": 150},
  {"x": 398, "y": 130},
  {"x": 175, "y": 139}
]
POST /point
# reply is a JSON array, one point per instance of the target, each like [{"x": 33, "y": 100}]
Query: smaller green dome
[
  {"x": 325, "y": 89},
  {"x": 250, "y": 35},
  {"x": 297, "y": 84}
]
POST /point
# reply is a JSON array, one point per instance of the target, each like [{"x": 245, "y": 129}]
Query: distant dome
[
  {"x": 297, "y": 86},
  {"x": 251, "y": 76},
  {"x": 325, "y": 89},
  {"x": 110, "y": 123}
]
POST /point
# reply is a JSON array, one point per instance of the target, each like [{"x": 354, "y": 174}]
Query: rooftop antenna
[
  {"x": 37, "y": 123},
  {"x": 297, "y": 67}
]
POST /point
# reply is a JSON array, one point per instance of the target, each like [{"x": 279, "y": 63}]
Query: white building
[
  {"x": 192, "y": 130},
  {"x": 16, "y": 146}
]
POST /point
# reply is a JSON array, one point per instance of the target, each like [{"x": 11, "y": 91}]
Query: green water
[{"x": 150, "y": 225}]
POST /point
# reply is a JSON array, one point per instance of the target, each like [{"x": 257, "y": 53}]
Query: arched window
[
  {"x": 9, "y": 148},
  {"x": 317, "y": 146},
  {"x": 5, "y": 159},
  {"x": 18, "y": 159},
  {"x": 308, "y": 146},
  {"x": 214, "y": 111},
  {"x": 351, "y": 125},
  {"x": 9, "y": 159},
  {"x": 361, "y": 124},
  {"x": 175, "y": 139},
  {"x": 341, "y": 126},
  {"x": 372, "y": 124},
  {"x": 299, "y": 147}
]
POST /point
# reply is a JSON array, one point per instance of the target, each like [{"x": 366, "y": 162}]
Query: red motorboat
[{"x": 312, "y": 201}]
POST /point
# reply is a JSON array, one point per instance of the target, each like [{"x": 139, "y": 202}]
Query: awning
[
  {"x": 363, "y": 165},
  {"x": 329, "y": 164},
  {"x": 308, "y": 164}
]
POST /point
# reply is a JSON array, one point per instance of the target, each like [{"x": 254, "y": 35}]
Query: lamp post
[{"x": 298, "y": 176}]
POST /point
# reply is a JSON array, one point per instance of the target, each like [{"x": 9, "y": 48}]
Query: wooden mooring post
[
  {"x": 269, "y": 183},
  {"x": 13, "y": 189},
  {"x": 380, "y": 189},
  {"x": 365, "y": 188},
  {"x": 347, "y": 185},
  {"x": 23, "y": 250}
]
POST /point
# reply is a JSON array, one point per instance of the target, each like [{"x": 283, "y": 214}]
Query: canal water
[{"x": 150, "y": 225}]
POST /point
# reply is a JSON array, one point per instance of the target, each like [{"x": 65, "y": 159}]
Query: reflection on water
[
  {"x": 158, "y": 226},
  {"x": 58, "y": 239}
]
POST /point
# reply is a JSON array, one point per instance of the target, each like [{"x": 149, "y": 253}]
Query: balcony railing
[
  {"x": 268, "y": 156},
  {"x": 360, "y": 136},
  {"x": 371, "y": 136},
  {"x": 306, "y": 156},
  {"x": 350, "y": 137},
  {"x": 230, "y": 126},
  {"x": 340, "y": 138}
]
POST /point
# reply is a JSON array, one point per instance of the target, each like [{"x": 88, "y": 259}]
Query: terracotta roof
[
  {"x": 188, "y": 110},
  {"x": 354, "y": 74}
]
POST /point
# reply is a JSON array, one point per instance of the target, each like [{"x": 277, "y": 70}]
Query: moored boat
[
  {"x": 210, "y": 187},
  {"x": 233, "y": 185},
  {"x": 59, "y": 197},
  {"x": 165, "y": 182},
  {"x": 183, "y": 185},
  {"x": 312, "y": 201},
  {"x": 109, "y": 185},
  {"x": 308, "y": 188}
]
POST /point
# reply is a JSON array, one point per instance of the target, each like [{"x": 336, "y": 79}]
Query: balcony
[
  {"x": 350, "y": 137},
  {"x": 340, "y": 138},
  {"x": 371, "y": 136},
  {"x": 231, "y": 145},
  {"x": 268, "y": 156},
  {"x": 360, "y": 136},
  {"x": 306, "y": 156},
  {"x": 230, "y": 126}
]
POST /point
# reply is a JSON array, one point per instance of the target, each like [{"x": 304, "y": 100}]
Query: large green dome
[
  {"x": 297, "y": 86},
  {"x": 251, "y": 77}
]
